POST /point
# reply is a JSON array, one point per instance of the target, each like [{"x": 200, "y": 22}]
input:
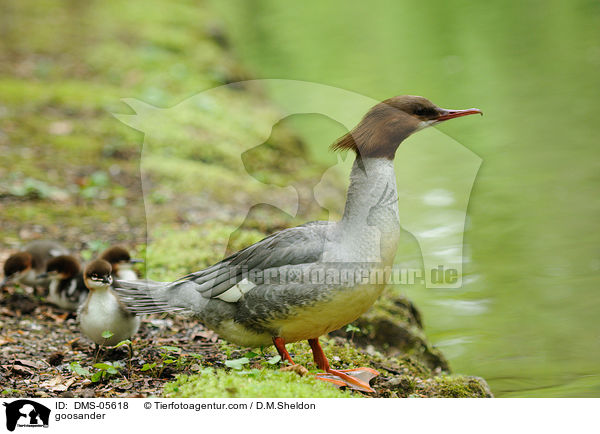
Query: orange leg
[
  {"x": 280, "y": 345},
  {"x": 355, "y": 378}
]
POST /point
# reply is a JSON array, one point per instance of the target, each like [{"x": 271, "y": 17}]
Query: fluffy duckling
[
  {"x": 121, "y": 262},
  {"x": 24, "y": 267},
  {"x": 66, "y": 289},
  {"x": 102, "y": 310}
]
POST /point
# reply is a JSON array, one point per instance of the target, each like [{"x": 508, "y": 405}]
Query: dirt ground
[
  {"x": 39, "y": 342},
  {"x": 43, "y": 354}
]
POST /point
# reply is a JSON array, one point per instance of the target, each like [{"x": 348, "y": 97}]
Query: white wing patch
[{"x": 234, "y": 293}]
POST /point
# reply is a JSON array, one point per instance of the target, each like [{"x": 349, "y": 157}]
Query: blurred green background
[{"x": 527, "y": 318}]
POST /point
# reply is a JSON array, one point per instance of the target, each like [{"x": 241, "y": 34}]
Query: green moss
[
  {"x": 399, "y": 377},
  {"x": 196, "y": 178},
  {"x": 55, "y": 213},
  {"x": 456, "y": 387},
  {"x": 174, "y": 252},
  {"x": 264, "y": 383},
  {"x": 72, "y": 95}
]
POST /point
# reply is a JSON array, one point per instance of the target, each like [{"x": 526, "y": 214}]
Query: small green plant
[
  {"x": 188, "y": 361},
  {"x": 148, "y": 367},
  {"x": 274, "y": 360},
  {"x": 129, "y": 346},
  {"x": 171, "y": 356},
  {"x": 167, "y": 357},
  {"x": 106, "y": 334},
  {"x": 125, "y": 342},
  {"x": 105, "y": 371},
  {"x": 352, "y": 329},
  {"x": 11, "y": 392},
  {"x": 237, "y": 364},
  {"x": 227, "y": 348},
  {"x": 76, "y": 368}
]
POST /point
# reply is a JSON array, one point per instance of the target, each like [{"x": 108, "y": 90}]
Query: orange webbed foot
[{"x": 357, "y": 379}]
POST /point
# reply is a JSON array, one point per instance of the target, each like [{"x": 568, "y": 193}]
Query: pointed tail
[{"x": 146, "y": 296}]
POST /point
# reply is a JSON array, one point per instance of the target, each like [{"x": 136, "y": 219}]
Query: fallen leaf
[
  {"x": 28, "y": 363},
  {"x": 19, "y": 369},
  {"x": 58, "y": 318},
  {"x": 58, "y": 384},
  {"x": 6, "y": 340}
]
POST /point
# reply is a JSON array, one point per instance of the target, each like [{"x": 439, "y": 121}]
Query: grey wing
[{"x": 299, "y": 245}]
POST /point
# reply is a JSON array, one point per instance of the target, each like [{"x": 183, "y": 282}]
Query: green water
[{"x": 527, "y": 317}]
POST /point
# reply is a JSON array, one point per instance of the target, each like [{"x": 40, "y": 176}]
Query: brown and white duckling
[
  {"x": 102, "y": 310},
  {"x": 121, "y": 262},
  {"x": 25, "y": 266},
  {"x": 66, "y": 289}
]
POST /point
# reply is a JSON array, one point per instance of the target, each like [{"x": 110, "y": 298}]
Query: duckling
[
  {"x": 24, "y": 267},
  {"x": 119, "y": 259},
  {"x": 102, "y": 310},
  {"x": 66, "y": 289}
]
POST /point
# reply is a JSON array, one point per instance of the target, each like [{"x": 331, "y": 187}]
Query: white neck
[
  {"x": 372, "y": 185},
  {"x": 369, "y": 230}
]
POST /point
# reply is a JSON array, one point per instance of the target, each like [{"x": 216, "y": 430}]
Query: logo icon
[{"x": 26, "y": 413}]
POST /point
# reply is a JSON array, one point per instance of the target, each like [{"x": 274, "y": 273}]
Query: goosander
[{"x": 306, "y": 281}]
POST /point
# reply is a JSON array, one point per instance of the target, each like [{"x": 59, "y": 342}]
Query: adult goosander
[
  {"x": 26, "y": 265},
  {"x": 102, "y": 310},
  {"x": 303, "y": 282}
]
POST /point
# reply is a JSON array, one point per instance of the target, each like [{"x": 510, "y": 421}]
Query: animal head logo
[
  {"x": 434, "y": 172},
  {"x": 27, "y": 413}
]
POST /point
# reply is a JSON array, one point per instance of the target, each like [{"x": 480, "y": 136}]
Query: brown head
[
  {"x": 117, "y": 256},
  {"x": 97, "y": 274},
  {"x": 62, "y": 267},
  {"x": 15, "y": 265},
  {"x": 386, "y": 125}
]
